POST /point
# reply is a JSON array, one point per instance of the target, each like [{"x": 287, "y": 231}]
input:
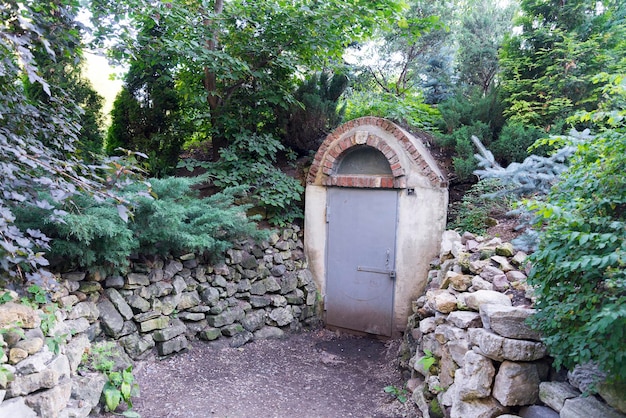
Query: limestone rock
[
  {"x": 75, "y": 350},
  {"x": 232, "y": 330},
  {"x": 35, "y": 363},
  {"x": 110, "y": 318},
  {"x": 282, "y": 316},
  {"x": 136, "y": 280},
  {"x": 16, "y": 407},
  {"x": 17, "y": 354},
  {"x": 537, "y": 411},
  {"x": 474, "y": 380},
  {"x": 478, "y": 283},
  {"x": 508, "y": 321},
  {"x": 477, "y": 408},
  {"x": 210, "y": 334},
  {"x": 23, "y": 385},
  {"x": 502, "y": 262},
  {"x": 499, "y": 348},
  {"x": 188, "y": 300},
  {"x": 554, "y": 394},
  {"x": 481, "y": 297},
  {"x": 614, "y": 394},
  {"x": 119, "y": 302},
  {"x": 175, "y": 329},
  {"x": 13, "y": 313},
  {"x": 586, "y": 408},
  {"x": 227, "y": 317},
  {"x": 138, "y": 303},
  {"x": 506, "y": 249},
  {"x": 585, "y": 376},
  {"x": 49, "y": 403},
  {"x": 87, "y": 310},
  {"x": 444, "y": 302},
  {"x": 516, "y": 384},
  {"x": 153, "y": 324},
  {"x": 88, "y": 388},
  {"x": 90, "y": 287},
  {"x": 191, "y": 316},
  {"x": 267, "y": 333},
  {"x": 254, "y": 320},
  {"x": 172, "y": 346},
  {"x": 137, "y": 345},
  {"x": 464, "y": 319}
]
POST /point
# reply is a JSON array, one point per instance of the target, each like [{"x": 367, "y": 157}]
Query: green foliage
[
  {"x": 549, "y": 65},
  {"x": 514, "y": 141},
  {"x": 121, "y": 387},
  {"x": 400, "y": 394},
  {"x": 146, "y": 114},
  {"x": 178, "y": 221},
  {"x": 245, "y": 55},
  {"x": 475, "y": 210},
  {"x": 95, "y": 237},
  {"x": 316, "y": 112},
  {"x": 480, "y": 35},
  {"x": 579, "y": 268},
  {"x": 408, "y": 110},
  {"x": 40, "y": 167},
  {"x": 428, "y": 360},
  {"x": 465, "y": 115},
  {"x": 249, "y": 162}
]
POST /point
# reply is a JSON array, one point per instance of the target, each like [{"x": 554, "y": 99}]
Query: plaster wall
[{"x": 422, "y": 204}]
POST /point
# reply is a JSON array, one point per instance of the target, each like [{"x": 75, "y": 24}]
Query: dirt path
[{"x": 312, "y": 374}]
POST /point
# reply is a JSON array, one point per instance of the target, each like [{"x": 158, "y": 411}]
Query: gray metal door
[{"x": 360, "y": 259}]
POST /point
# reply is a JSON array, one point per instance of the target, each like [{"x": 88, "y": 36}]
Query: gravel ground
[{"x": 311, "y": 374}]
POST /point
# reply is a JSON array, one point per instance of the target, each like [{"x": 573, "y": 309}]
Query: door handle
[{"x": 391, "y": 273}]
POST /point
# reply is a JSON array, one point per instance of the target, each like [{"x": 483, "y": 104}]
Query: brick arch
[{"x": 331, "y": 151}]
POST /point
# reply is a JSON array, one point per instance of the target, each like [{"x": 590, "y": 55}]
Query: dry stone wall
[
  {"x": 470, "y": 351},
  {"x": 261, "y": 290}
]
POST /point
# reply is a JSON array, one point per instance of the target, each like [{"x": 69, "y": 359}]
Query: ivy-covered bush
[
  {"x": 93, "y": 235},
  {"x": 250, "y": 162}
]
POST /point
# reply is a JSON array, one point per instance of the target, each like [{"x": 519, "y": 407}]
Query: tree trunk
[{"x": 210, "y": 85}]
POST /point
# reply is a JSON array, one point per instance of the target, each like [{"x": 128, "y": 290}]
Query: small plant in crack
[{"x": 400, "y": 394}]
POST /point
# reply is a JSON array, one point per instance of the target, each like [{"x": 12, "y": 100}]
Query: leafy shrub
[
  {"x": 579, "y": 270},
  {"x": 513, "y": 143},
  {"x": 250, "y": 163},
  {"x": 459, "y": 140},
  {"x": 317, "y": 112},
  {"x": 94, "y": 236},
  {"x": 406, "y": 110}
]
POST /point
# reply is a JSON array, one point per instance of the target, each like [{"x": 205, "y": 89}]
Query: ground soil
[{"x": 317, "y": 373}]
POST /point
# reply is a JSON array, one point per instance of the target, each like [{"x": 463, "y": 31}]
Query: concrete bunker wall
[{"x": 422, "y": 202}]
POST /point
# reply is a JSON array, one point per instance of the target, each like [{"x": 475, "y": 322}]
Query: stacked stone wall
[
  {"x": 260, "y": 290},
  {"x": 470, "y": 350}
]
